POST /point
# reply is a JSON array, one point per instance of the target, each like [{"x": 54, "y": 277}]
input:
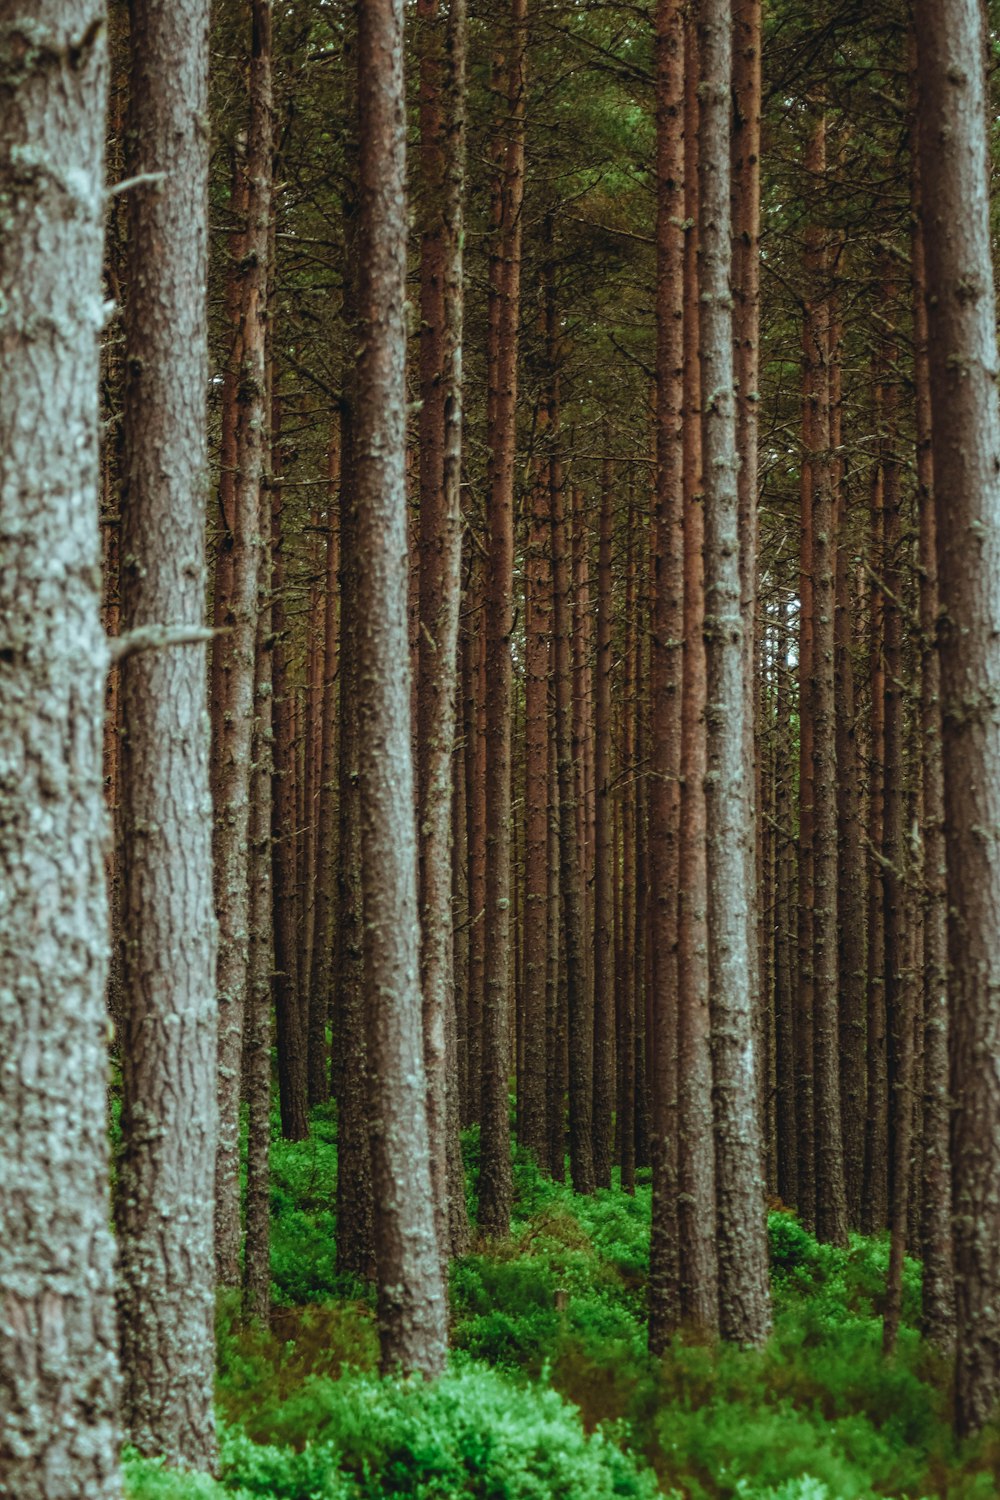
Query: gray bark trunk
[
  {"x": 412, "y": 1313},
  {"x": 166, "y": 1299},
  {"x": 744, "y": 1293},
  {"x": 58, "y": 1368}
]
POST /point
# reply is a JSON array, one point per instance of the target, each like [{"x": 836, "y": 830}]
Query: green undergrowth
[{"x": 550, "y": 1390}]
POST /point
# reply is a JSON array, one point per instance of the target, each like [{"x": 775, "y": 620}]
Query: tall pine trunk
[
  {"x": 744, "y": 1293},
  {"x": 665, "y": 665},
  {"x": 966, "y": 443},
  {"x": 442, "y": 156},
  {"x": 411, "y": 1300},
  {"x": 234, "y": 652},
  {"x": 58, "y": 1364},
  {"x": 166, "y": 1300},
  {"x": 699, "y": 1291},
  {"x": 495, "y": 1184}
]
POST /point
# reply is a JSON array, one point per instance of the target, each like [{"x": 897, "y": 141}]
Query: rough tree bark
[
  {"x": 538, "y": 616},
  {"x": 234, "y": 654},
  {"x": 696, "y": 1148},
  {"x": 579, "y": 1020},
  {"x": 966, "y": 444},
  {"x": 745, "y": 200},
  {"x": 744, "y": 1293},
  {"x": 164, "y": 1205},
  {"x": 258, "y": 1029},
  {"x": 58, "y": 1377},
  {"x": 495, "y": 1185},
  {"x": 442, "y": 158},
  {"x": 604, "y": 955},
  {"x": 290, "y": 1011},
  {"x": 355, "y": 1207},
  {"x": 937, "y": 1254},
  {"x": 665, "y": 666},
  {"x": 831, "y": 1204},
  {"x": 411, "y": 1299},
  {"x": 325, "y": 918}
]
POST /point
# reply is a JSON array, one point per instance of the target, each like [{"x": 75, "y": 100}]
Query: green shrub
[
  {"x": 149, "y": 1479},
  {"x": 470, "y": 1433}
]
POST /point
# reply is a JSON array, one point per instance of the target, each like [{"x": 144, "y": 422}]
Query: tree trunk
[
  {"x": 166, "y": 1299},
  {"x": 579, "y": 1018},
  {"x": 538, "y": 613},
  {"x": 784, "y": 977},
  {"x": 966, "y": 421},
  {"x": 411, "y": 1300},
  {"x": 442, "y": 156},
  {"x": 604, "y": 867},
  {"x": 58, "y": 1366},
  {"x": 325, "y": 920},
  {"x": 626, "y": 984},
  {"x": 355, "y": 1205},
  {"x": 234, "y": 653},
  {"x": 831, "y": 1204},
  {"x": 851, "y": 863},
  {"x": 938, "y": 1320},
  {"x": 875, "y": 1193},
  {"x": 696, "y": 1151},
  {"x": 290, "y": 1012},
  {"x": 745, "y": 199},
  {"x": 257, "y": 1049},
  {"x": 667, "y": 606},
  {"x": 474, "y": 665},
  {"x": 495, "y": 1183},
  {"x": 744, "y": 1293}
]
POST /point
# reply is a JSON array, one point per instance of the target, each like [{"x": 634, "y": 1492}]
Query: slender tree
[
  {"x": 936, "y": 1227},
  {"x": 604, "y": 999},
  {"x": 495, "y": 1186},
  {"x": 234, "y": 654},
  {"x": 744, "y": 1294},
  {"x": 665, "y": 663},
  {"x": 164, "y": 1205},
  {"x": 442, "y": 156},
  {"x": 411, "y": 1290},
  {"x": 699, "y": 1303}
]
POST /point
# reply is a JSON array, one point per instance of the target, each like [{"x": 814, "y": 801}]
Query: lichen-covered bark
[
  {"x": 58, "y": 1377},
  {"x": 411, "y": 1300},
  {"x": 164, "y": 1206},
  {"x": 966, "y": 440},
  {"x": 744, "y": 1293}
]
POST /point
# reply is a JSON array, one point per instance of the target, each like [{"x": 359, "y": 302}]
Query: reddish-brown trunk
[
  {"x": 666, "y": 609},
  {"x": 938, "y": 1319},
  {"x": 538, "y": 611},
  {"x": 289, "y": 1010},
  {"x": 495, "y": 1184},
  {"x": 604, "y": 951}
]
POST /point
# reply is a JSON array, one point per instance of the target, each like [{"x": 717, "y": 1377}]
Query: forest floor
[{"x": 551, "y": 1395}]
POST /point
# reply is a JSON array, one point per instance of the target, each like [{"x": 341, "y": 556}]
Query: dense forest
[{"x": 499, "y": 749}]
